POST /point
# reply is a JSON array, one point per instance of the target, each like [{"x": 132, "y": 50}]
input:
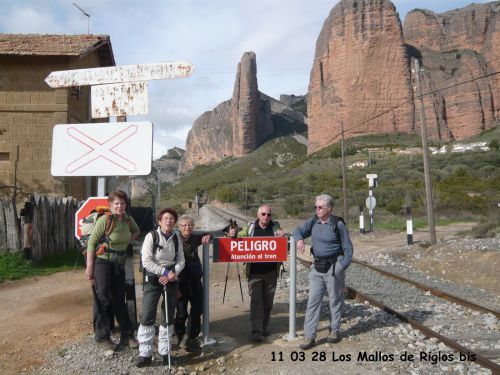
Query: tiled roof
[{"x": 54, "y": 45}]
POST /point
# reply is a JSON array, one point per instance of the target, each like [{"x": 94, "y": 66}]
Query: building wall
[{"x": 29, "y": 109}]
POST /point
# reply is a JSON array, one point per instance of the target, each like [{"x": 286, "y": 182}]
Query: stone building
[{"x": 29, "y": 108}]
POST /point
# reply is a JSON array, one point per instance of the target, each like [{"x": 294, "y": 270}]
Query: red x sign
[
  {"x": 102, "y": 149},
  {"x": 108, "y": 149}
]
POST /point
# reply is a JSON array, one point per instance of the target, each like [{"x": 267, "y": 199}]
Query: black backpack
[
  {"x": 156, "y": 245},
  {"x": 335, "y": 228}
]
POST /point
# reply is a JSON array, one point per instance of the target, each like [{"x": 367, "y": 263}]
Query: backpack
[
  {"x": 156, "y": 245},
  {"x": 335, "y": 228},
  {"x": 88, "y": 225}
]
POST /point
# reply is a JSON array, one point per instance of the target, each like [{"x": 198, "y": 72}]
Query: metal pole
[
  {"x": 101, "y": 186},
  {"x": 344, "y": 179},
  {"x": 425, "y": 151},
  {"x": 293, "y": 293},
  {"x": 207, "y": 340}
]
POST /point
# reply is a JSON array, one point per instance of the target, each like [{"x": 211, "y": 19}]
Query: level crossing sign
[
  {"x": 102, "y": 149},
  {"x": 90, "y": 204}
]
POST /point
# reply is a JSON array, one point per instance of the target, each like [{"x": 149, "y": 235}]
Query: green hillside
[{"x": 465, "y": 185}]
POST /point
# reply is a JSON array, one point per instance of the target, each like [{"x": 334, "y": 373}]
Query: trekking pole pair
[{"x": 225, "y": 282}]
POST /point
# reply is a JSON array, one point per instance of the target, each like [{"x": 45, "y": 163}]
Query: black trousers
[
  {"x": 192, "y": 293},
  {"x": 109, "y": 284},
  {"x": 261, "y": 288}
]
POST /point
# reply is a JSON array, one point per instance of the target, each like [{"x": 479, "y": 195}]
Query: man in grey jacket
[{"x": 332, "y": 255}]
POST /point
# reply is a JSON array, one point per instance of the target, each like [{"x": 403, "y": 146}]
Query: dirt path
[{"x": 39, "y": 314}]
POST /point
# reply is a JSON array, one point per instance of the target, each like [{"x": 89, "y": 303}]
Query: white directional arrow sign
[
  {"x": 117, "y": 74},
  {"x": 111, "y": 149}
]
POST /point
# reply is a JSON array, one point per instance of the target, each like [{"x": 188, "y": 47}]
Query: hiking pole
[
  {"x": 225, "y": 283},
  {"x": 239, "y": 279},
  {"x": 165, "y": 299}
]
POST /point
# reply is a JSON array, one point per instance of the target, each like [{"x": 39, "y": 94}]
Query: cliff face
[
  {"x": 210, "y": 139},
  {"x": 456, "y": 47},
  {"x": 236, "y": 127},
  {"x": 360, "y": 70}
]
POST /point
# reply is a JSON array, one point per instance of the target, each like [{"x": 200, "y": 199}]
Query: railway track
[{"x": 456, "y": 322}]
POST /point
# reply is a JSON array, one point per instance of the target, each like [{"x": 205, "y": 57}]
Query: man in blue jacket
[{"x": 332, "y": 250}]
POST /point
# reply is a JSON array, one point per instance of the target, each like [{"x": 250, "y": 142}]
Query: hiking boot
[
  {"x": 256, "y": 337},
  {"x": 144, "y": 361},
  {"x": 333, "y": 337},
  {"x": 308, "y": 343},
  {"x": 131, "y": 342},
  {"x": 192, "y": 345},
  {"x": 106, "y": 344},
  {"x": 183, "y": 342}
]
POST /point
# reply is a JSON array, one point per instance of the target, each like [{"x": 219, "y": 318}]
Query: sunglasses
[
  {"x": 268, "y": 214},
  {"x": 320, "y": 207}
]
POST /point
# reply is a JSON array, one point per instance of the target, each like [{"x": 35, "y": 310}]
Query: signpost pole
[
  {"x": 292, "y": 290},
  {"x": 207, "y": 340}
]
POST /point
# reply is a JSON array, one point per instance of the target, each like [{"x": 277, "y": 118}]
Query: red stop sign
[{"x": 85, "y": 210}]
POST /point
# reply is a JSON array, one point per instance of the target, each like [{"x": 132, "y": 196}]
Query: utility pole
[
  {"x": 246, "y": 195},
  {"x": 344, "y": 182},
  {"x": 158, "y": 186},
  {"x": 425, "y": 152}
]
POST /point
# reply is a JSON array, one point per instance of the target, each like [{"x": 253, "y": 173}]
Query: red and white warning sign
[
  {"x": 85, "y": 210},
  {"x": 250, "y": 249},
  {"x": 102, "y": 149}
]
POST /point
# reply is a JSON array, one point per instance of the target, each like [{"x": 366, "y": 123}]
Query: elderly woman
[
  {"x": 163, "y": 261},
  {"x": 105, "y": 270},
  {"x": 190, "y": 286}
]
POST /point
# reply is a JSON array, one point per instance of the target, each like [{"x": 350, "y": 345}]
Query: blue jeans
[{"x": 319, "y": 283}]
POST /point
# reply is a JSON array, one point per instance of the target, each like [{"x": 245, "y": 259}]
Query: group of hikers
[{"x": 172, "y": 270}]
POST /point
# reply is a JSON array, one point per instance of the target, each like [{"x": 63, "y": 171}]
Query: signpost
[
  {"x": 121, "y": 149},
  {"x": 371, "y": 202}
]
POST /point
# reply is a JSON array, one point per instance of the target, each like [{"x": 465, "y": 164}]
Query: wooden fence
[
  {"x": 52, "y": 226},
  {"x": 9, "y": 226}
]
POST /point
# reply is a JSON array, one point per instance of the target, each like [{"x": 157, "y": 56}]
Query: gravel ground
[
  {"x": 373, "y": 342},
  {"x": 401, "y": 261}
]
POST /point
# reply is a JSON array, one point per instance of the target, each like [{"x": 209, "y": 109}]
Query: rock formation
[
  {"x": 164, "y": 169},
  {"x": 235, "y": 127},
  {"x": 455, "y": 47},
  {"x": 360, "y": 70},
  {"x": 210, "y": 139}
]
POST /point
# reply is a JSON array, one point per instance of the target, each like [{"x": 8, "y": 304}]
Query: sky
[{"x": 211, "y": 34}]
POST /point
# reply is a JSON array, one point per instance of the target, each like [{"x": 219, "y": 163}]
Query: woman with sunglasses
[{"x": 262, "y": 277}]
